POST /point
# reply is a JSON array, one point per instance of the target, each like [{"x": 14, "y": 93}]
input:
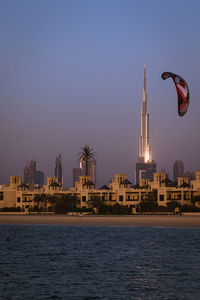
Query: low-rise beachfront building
[
  {"x": 124, "y": 193},
  {"x": 195, "y": 184},
  {"x": 168, "y": 191},
  {"x": 29, "y": 197},
  {"x": 25, "y": 194},
  {"x": 83, "y": 190},
  {"x": 8, "y": 192},
  {"x": 119, "y": 191}
]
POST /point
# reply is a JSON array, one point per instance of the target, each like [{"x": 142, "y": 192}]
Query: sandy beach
[{"x": 143, "y": 221}]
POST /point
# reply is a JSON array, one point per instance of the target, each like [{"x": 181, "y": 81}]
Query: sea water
[{"x": 91, "y": 262}]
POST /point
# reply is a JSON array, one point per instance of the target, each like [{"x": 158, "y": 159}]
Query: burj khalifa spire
[{"x": 144, "y": 148}]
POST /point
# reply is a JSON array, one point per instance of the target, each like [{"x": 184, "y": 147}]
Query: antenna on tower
[{"x": 145, "y": 76}]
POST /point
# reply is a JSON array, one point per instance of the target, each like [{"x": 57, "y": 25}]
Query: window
[
  {"x": 18, "y": 199},
  {"x": 186, "y": 195},
  {"x": 1, "y": 196},
  {"x": 83, "y": 198},
  {"x": 25, "y": 199},
  {"x": 121, "y": 198},
  {"x": 162, "y": 198}
]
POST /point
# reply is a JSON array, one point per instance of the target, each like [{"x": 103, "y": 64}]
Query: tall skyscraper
[
  {"x": 26, "y": 174},
  {"x": 77, "y": 172},
  {"x": 29, "y": 172},
  {"x": 31, "y": 175},
  {"x": 145, "y": 167},
  {"x": 32, "y": 171},
  {"x": 58, "y": 169},
  {"x": 144, "y": 148},
  {"x": 39, "y": 178},
  {"x": 92, "y": 170},
  {"x": 178, "y": 170},
  {"x": 81, "y": 171}
]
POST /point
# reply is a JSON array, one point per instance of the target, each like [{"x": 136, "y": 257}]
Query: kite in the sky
[{"x": 182, "y": 91}]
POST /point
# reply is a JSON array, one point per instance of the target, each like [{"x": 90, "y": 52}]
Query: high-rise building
[
  {"x": 26, "y": 174},
  {"x": 39, "y": 178},
  {"x": 144, "y": 146},
  {"x": 82, "y": 170},
  {"x": 29, "y": 172},
  {"x": 145, "y": 171},
  {"x": 77, "y": 172},
  {"x": 145, "y": 167},
  {"x": 32, "y": 170},
  {"x": 31, "y": 175},
  {"x": 178, "y": 170},
  {"x": 92, "y": 170},
  {"x": 59, "y": 170}
]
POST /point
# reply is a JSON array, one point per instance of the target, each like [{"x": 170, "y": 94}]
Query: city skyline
[
  {"x": 72, "y": 74},
  {"x": 75, "y": 177}
]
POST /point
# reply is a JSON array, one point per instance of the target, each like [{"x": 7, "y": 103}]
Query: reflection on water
[{"x": 66, "y": 262}]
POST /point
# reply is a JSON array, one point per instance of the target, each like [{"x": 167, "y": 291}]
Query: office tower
[
  {"x": 91, "y": 169},
  {"x": 31, "y": 175},
  {"x": 82, "y": 170},
  {"x": 26, "y": 174},
  {"x": 77, "y": 172},
  {"x": 39, "y": 178},
  {"x": 32, "y": 170},
  {"x": 29, "y": 172},
  {"x": 145, "y": 167},
  {"x": 58, "y": 169},
  {"x": 178, "y": 170},
  {"x": 145, "y": 171}
]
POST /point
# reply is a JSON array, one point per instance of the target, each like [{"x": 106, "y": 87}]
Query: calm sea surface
[{"x": 66, "y": 262}]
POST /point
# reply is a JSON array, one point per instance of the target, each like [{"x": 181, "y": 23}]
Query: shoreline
[{"x": 185, "y": 221}]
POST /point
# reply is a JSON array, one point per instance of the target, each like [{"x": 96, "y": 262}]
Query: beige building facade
[{"x": 120, "y": 191}]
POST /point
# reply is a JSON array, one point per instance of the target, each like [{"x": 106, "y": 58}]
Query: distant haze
[{"x": 72, "y": 73}]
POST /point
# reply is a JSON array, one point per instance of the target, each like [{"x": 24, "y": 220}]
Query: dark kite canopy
[{"x": 182, "y": 91}]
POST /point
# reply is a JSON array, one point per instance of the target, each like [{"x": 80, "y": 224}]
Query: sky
[{"x": 71, "y": 73}]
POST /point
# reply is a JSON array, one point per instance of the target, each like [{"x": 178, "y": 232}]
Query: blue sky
[{"x": 71, "y": 73}]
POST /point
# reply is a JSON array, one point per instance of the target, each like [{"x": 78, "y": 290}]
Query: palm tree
[
  {"x": 37, "y": 199},
  {"x": 52, "y": 200},
  {"x": 87, "y": 153},
  {"x": 40, "y": 198}
]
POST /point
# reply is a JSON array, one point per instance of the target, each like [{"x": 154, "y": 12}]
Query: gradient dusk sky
[{"x": 71, "y": 73}]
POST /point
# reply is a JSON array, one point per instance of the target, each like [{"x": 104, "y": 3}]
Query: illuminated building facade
[{"x": 145, "y": 167}]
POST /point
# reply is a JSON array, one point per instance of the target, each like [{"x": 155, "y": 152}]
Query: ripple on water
[{"x": 66, "y": 262}]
